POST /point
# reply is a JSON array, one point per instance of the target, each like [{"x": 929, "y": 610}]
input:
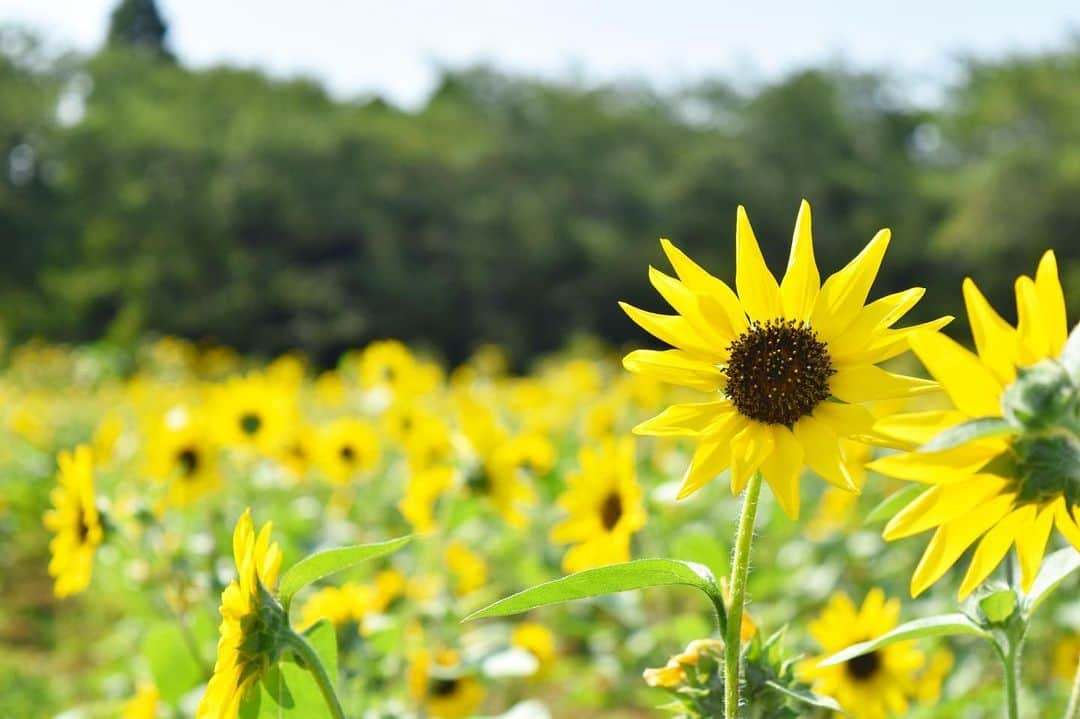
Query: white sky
[{"x": 395, "y": 47}]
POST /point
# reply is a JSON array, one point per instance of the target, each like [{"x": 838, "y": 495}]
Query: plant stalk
[
  {"x": 740, "y": 568},
  {"x": 314, "y": 665}
]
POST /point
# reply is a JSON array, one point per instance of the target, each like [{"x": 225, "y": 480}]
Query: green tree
[{"x": 138, "y": 24}]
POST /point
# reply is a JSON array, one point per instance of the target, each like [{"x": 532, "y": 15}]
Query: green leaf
[
  {"x": 968, "y": 431},
  {"x": 611, "y": 579},
  {"x": 1070, "y": 356},
  {"x": 894, "y": 503},
  {"x": 289, "y": 691},
  {"x": 938, "y": 626},
  {"x": 1055, "y": 569},
  {"x": 323, "y": 564},
  {"x": 998, "y": 606},
  {"x": 805, "y": 696},
  {"x": 174, "y": 669}
]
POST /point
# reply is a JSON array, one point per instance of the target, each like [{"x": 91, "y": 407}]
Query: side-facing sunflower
[
  {"x": 1007, "y": 488},
  {"x": 241, "y": 662},
  {"x": 75, "y": 522},
  {"x": 789, "y": 364},
  {"x": 878, "y": 684},
  {"x": 604, "y": 502}
]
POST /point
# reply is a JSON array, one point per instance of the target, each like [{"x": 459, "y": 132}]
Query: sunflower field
[{"x": 800, "y": 505}]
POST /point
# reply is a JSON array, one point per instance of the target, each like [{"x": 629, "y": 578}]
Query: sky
[{"x": 395, "y": 48}]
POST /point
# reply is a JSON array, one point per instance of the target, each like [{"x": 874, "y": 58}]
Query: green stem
[
  {"x": 740, "y": 567},
  {"x": 1012, "y": 697},
  {"x": 314, "y": 665},
  {"x": 1073, "y": 712}
]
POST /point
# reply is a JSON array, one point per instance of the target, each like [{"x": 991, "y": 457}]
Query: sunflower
[
  {"x": 468, "y": 568},
  {"x": 442, "y": 686},
  {"x": 537, "y": 640},
  {"x": 604, "y": 501},
  {"x": 240, "y": 663},
  {"x": 75, "y": 522},
  {"x": 347, "y": 448},
  {"x": 144, "y": 705},
  {"x": 342, "y": 605},
  {"x": 181, "y": 452},
  {"x": 874, "y": 685},
  {"x": 789, "y": 364},
  {"x": 1002, "y": 488},
  {"x": 254, "y": 412},
  {"x": 1066, "y": 657}
]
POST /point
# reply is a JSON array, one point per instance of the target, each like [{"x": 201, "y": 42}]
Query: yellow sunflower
[
  {"x": 180, "y": 451},
  {"x": 75, "y": 522},
  {"x": 789, "y": 364},
  {"x": 874, "y": 685},
  {"x": 537, "y": 640},
  {"x": 1066, "y": 657},
  {"x": 240, "y": 664},
  {"x": 442, "y": 686},
  {"x": 468, "y": 568},
  {"x": 348, "y": 448},
  {"x": 254, "y": 412},
  {"x": 1001, "y": 488},
  {"x": 604, "y": 502}
]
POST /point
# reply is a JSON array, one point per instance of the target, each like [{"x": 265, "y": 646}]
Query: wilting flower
[
  {"x": 789, "y": 364},
  {"x": 445, "y": 688},
  {"x": 882, "y": 682},
  {"x": 248, "y": 616},
  {"x": 604, "y": 501},
  {"x": 673, "y": 674},
  {"x": 74, "y": 521},
  {"x": 1010, "y": 487}
]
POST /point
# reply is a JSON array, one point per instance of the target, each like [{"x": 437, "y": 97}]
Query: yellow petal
[
  {"x": 686, "y": 420},
  {"x": 1052, "y": 302},
  {"x": 970, "y": 385},
  {"x": 749, "y": 448},
  {"x": 821, "y": 448},
  {"x": 941, "y": 466},
  {"x": 995, "y": 341},
  {"x": 675, "y": 367},
  {"x": 701, "y": 282},
  {"x": 758, "y": 292},
  {"x": 711, "y": 457},
  {"x": 993, "y": 547},
  {"x": 713, "y": 329},
  {"x": 1066, "y": 524},
  {"x": 917, "y": 428},
  {"x": 782, "y": 469},
  {"x": 801, "y": 282},
  {"x": 890, "y": 343},
  {"x": 943, "y": 503},
  {"x": 675, "y": 330},
  {"x": 865, "y": 383},
  {"x": 1032, "y": 328},
  {"x": 1031, "y": 545},
  {"x": 879, "y": 314},
  {"x": 844, "y": 293},
  {"x": 952, "y": 539}
]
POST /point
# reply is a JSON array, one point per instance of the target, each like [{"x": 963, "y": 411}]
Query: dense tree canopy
[{"x": 140, "y": 196}]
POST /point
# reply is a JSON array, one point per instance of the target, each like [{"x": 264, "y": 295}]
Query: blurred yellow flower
[
  {"x": 180, "y": 451},
  {"x": 444, "y": 688},
  {"x": 774, "y": 356},
  {"x": 538, "y": 640},
  {"x": 347, "y": 449},
  {"x": 254, "y": 412},
  {"x": 673, "y": 673},
  {"x": 604, "y": 502},
  {"x": 1066, "y": 657},
  {"x": 144, "y": 705},
  {"x": 468, "y": 568},
  {"x": 74, "y": 521}
]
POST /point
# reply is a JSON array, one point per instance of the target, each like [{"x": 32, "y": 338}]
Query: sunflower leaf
[
  {"x": 1055, "y": 569},
  {"x": 288, "y": 691},
  {"x": 968, "y": 431},
  {"x": 937, "y": 626},
  {"x": 612, "y": 579},
  {"x": 805, "y": 696},
  {"x": 323, "y": 564},
  {"x": 894, "y": 503}
]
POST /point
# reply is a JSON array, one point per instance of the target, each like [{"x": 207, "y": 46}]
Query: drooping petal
[
  {"x": 749, "y": 448},
  {"x": 686, "y": 420},
  {"x": 844, "y": 293},
  {"x": 675, "y": 367},
  {"x": 943, "y": 503},
  {"x": 711, "y": 457},
  {"x": 782, "y": 469},
  {"x": 941, "y": 466},
  {"x": 917, "y": 428},
  {"x": 865, "y": 383},
  {"x": 801, "y": 282},
  {"x": 758, "y": 291},
  {"x": 821, "y": 448},
  {"x": 970, "y": 385},
  {"x": 892, "y": 343},
  {"x": 1031, "y": 545},
  {"x": 1052, "y": 302},
  {"x": 1032, "y": 328},
  {"x": 993, "y": 547},
  {"x": 952, "y": 539},
  {"x": 1066, "y": 524},
  {"x": 995, "y": 341}
]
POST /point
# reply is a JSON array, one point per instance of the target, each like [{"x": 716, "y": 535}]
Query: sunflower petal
[
  {"x": 758, "y": 291},
  {"x": 782, "y": 469},
  {"x": 993, "y": 547},
  {"x": 686, "y": 420},
  {"x": 1031, "y": 545},
  {"x": 952, "y": 539},
  {"x": 865, "y": 383},
  {"x": 1032, "y": 328},
  {"x": 1052, "y": 302},
  {"x": 844, "y": 293},
  {"x": 749, "y": 448},
  {"x": 713, "y": 328},
  {"x": 821, "y": 448},
  {"x": 1066, "y": 524},
  {"x": 675, "y": 330},
  {"x": 941, "y": 466},
  {"x": 675, "y": 367},
  {"x": 970, "y": 385},
  {"x": 917, "y": 428},
  {"x": 995, "y": 340},
  {"x": 711, "y": 457},
  {"x": 801, "y": 282},
  {"x": 719, "y": 294},
  {"x": 941, "y": 504}
]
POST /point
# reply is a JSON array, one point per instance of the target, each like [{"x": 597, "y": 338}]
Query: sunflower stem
[
  {"x": 314, "y": 665},
  {"x": 740, "y": 568},
  {"x": 1073, "y": 710}
]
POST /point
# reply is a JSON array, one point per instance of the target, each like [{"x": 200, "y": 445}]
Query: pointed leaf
[
  {"x": 611, "y": 579},
  {"x": 939, "y": 626},
  {"x": 1055, "y": 569},
  {"x": 323, "y": 564},
  {"x": 968, "y": 431},
  {"x": 895, "y": 502},
  {"x": 805, "y": 696}
]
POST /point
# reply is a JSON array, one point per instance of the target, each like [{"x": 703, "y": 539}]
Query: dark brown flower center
[
  {"x": 250, "y": 423},
  {"x": 82, "y": 528},
  {"x": 865, "y": 667},
  {"x": 778, "y": 372},
  {"x": 348, "y": 454},
  {"x": 444, "y": 687},
  {"x": 188, "y": 460},
  {"x": 611, "y": 511}
]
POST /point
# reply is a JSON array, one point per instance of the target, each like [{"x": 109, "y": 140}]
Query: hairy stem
[
  {"x": 740, "y": 567},
  {"x": 314, "y": 665}
]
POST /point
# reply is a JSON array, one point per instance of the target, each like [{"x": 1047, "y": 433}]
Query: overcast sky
[{"x": 395, "y": 47}]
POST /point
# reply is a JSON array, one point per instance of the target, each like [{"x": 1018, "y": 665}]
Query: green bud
[
  {"x": 999, "y": 606},
  {"x": 1043, "y": 396}
]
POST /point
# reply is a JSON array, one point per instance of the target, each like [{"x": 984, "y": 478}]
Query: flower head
[
  {"x": 1003, "y": 489},
  {"x": 789, "y": 363},
  {"x": 248, "y": 618},
  {"x": 347, "y": 448},
  {"x": 74, "y": 521},
  {"x": 181, "y": 452},
  {"x": 445, "y": 688}
]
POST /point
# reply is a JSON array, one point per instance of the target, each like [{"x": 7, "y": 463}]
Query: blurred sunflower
[
  {"x": 180, "y": 451},
  {"x": 422, "y": 491},
  {"x": 442, "y": 686},
  {"x": 240, "y": 662},
  {"x": 1008, "y": 489},
  {"x": 144, "y": 705},
  {"x": 75, "y": 522},
  {"x": 789, "y": 363},
  {"x": 299, "y": 451},
  {"x": 878, "y": 684},
  {"x": 349, "y": 603},
  {"x": 605, "y": 505},
  {"x": 253, "y": 412},
  {"x": 1066, "y": 657},
  {"x": 468, "y": 568},
  {"x": 347, "y": 448},
  {"x": 537, "y": 640}
]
